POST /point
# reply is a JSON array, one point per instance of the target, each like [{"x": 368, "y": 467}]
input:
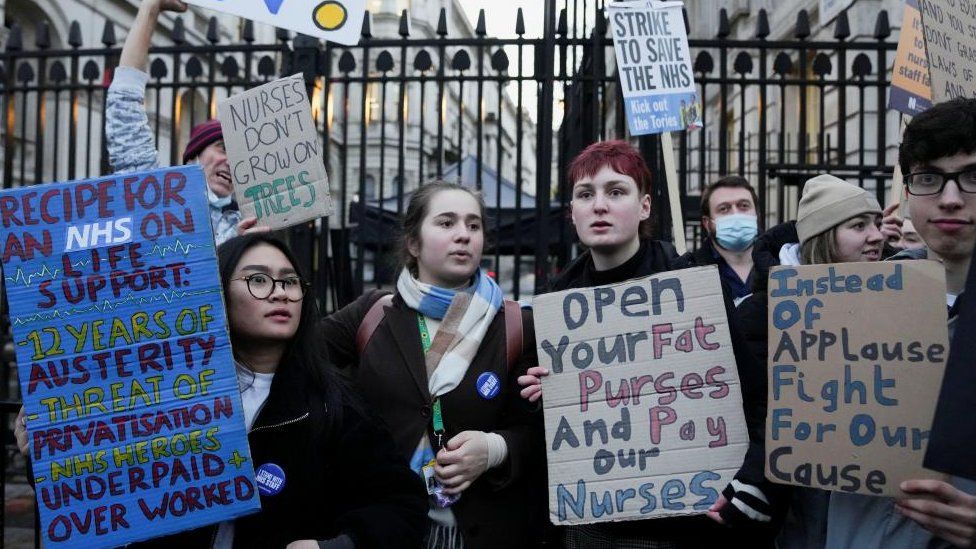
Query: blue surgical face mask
[
  {"x": 736, "y": 232},
  {"x": 217, "y": 201}
]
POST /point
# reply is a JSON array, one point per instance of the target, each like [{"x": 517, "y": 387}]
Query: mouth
[
  {"x": 600, "y": 225},
  {"x": 872, "y": 254},
  {"x": 279, "y": 314},
  {"x": 460, "y": 254},
  {"x": 950, "y": 225},
  {"x": 224, "y": 177}
]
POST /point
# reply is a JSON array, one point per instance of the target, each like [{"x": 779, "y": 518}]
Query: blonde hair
[{"x": 821, "y": 248}]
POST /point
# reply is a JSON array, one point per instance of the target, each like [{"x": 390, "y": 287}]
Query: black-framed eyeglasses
[
  {"x": 261, "y": 286},
  {"x": 929, "y": 183}
]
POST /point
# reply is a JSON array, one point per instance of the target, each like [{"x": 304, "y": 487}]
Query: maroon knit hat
[{"x": 201, "y": 136}]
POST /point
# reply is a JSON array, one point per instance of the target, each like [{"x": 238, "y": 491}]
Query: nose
[
  {"x": 874, "y": 235},
  {"x": 951, "y": 197},
  {"x": 278, "y": 291},
  {"x": 600, "y": 203},
  {"x": 463, "y": 234}
]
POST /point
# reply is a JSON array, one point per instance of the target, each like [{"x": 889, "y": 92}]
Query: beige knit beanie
[{"x": 828, "y": 201}]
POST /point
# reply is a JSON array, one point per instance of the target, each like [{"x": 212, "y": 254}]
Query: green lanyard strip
[{"x": 438, "y": 417}]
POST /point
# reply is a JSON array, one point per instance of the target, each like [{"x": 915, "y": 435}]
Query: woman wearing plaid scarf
[{"x": 436, "y": 368}]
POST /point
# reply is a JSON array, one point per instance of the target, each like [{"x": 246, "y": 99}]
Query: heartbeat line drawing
[
  {"x": 177, "y": 246},
  {"x": 106, "y": 305},
  {"x": 26, "y": 279}
]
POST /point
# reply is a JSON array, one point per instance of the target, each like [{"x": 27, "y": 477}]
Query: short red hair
[{"x": 619, "y": 155}]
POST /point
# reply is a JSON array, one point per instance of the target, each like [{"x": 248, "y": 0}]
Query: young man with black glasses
[{"x": 938, "y": 156}]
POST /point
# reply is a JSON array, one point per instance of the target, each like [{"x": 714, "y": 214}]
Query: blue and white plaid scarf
[{"x": 433, "y": 302}]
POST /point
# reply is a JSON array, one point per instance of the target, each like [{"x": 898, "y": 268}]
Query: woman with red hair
[{"x": 610, "y": 209}]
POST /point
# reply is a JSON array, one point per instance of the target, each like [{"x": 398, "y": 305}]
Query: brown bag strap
[
  {"x": 513, "y": 332},
  {"x": 372, "y": 319}
]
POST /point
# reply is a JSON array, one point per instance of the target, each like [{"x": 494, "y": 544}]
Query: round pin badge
[
  {"x": 270, "y": 479},
  {"x": 489, "y": 385}
]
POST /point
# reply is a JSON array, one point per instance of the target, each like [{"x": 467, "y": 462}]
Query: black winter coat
[
  {"x": 504, "y": 507},
  {"x": 350, "y": 483}
]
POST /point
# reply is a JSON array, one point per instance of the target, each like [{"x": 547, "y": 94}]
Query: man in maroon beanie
[{"x": 130, "y": 138}]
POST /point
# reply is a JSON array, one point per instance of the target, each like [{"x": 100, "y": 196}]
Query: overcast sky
[{"x": 500, "y": 16}]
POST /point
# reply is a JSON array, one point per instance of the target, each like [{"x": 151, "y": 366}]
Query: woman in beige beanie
[{"x": 838, "y": 222}]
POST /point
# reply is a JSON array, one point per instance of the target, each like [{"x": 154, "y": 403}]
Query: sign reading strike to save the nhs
[
  {"x": 133, "y": 412},
  {"x": 339, "y": 21},
  {"x": 643, "y": 407},
  {"x": 856, "y": 357},
  {"x": 654, "y": 64}
]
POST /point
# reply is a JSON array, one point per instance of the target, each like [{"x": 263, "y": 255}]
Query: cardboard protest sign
[
  {"x": 133, "y": 412},
  {"x": 339, "y": 21},
  {"x": 951, "y": 449},
  {"x": 643, "y": 406},
  {"x": 856, "y": 356},
  {"x": 950, "y": 42},
  {"x": 911, "y": 85},
  {"x": 654, "y": 64},
  {"x": 274, "y": 154}
]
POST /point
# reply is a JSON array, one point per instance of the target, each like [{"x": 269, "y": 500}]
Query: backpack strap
[
  {"x": 513, "y": 327},
  {"x": 513, "y": 332},
  {"x": 371, "y": 321}
]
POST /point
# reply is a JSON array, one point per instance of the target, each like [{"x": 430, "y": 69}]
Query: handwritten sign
[
  {"x": 654, "y": 64},
  {"x": 133, "y": 412},
  {"x": 950, "y": 42},
  {"x": 339, "y": 21},
  {"x": 274, "y": 154},
  {"x": 911, "y": 85},
  {"x": 856, "y": 356},
  {"x": 643, "y": 407}
]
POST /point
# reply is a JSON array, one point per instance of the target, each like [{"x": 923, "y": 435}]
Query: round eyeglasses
[{"x": 261, "y": 286}]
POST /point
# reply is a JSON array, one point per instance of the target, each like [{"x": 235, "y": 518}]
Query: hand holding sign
[{"x": 941, "y": 509}]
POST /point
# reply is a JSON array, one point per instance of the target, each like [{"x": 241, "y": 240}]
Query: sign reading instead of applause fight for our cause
[
  {"x": 911, "y": 84},
  {"x": 274, "y": 154},
  {"x": 643, "y": 407},
  {"x": 856, "y": 357},
  {"x": 133, "y": 412},
  {"x": 654, "y": 64},
  {"x": 339, "y": 21},
  {"x": 949, "y": 30}
]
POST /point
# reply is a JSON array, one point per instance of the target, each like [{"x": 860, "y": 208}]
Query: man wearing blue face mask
[{"x": 730, "y": 224}]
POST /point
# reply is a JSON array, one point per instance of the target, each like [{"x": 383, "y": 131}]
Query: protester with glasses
[
  {"x": 344, "y": 485},
  {"x": 938, "y": 154}
]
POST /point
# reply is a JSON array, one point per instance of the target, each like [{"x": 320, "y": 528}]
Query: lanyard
[{"x": 438, "y": 417}]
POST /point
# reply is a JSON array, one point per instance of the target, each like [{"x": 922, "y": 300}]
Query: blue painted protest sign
[
  {"x": 654, "y": 64},
  {"x": 133, "y": 410},
  {"x": 856, "y": 357}
]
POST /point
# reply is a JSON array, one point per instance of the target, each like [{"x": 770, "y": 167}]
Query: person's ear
[
  {"x": 645, "y": 211},
  {"x": 413, "y": 246}
]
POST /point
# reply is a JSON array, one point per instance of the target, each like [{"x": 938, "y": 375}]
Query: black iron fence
[{"x": 505, "y": 115}]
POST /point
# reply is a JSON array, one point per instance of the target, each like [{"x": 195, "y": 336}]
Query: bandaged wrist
[{"x": 497, "y": 449}]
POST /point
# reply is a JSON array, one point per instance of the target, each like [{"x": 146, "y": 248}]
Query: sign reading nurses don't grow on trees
[
  {"x": 643, "y": 406},
  {"x": 123, "y": 356},
  {"x": 274, "y": 154}
]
